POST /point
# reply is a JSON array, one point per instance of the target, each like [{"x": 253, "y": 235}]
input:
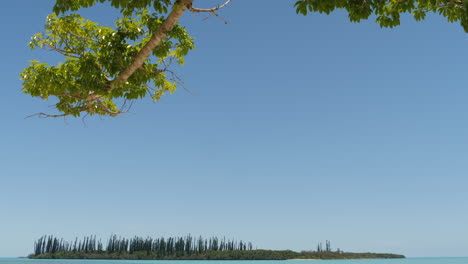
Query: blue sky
[{"x": 297, "y": 130}]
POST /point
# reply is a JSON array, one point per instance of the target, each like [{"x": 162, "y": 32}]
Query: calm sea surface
[{"x": 373, "y": 261}]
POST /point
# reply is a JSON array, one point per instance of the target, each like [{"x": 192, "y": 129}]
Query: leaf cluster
[
  {"x": 388, "y": 12},
  {"x": 126, "y": 7},
  {"x": 95, "y": 55}
]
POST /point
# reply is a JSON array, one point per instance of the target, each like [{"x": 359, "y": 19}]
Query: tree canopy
[{"x": 105, "y": 68}]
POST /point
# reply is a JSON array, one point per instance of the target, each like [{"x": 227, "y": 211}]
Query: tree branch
[
  {"x": 64, "y": 52},
  {"x": 43, "y": 115},
  {"x": 211, "y": 10},
  {"x": 172, "y": 19}
]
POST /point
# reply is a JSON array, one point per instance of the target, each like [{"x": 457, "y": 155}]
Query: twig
[
  {"x": 199, "y": 10},
  {"x": 44, "y": 115}
]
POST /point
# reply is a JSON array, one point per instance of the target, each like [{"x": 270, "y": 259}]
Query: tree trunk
[{"x": 177, "y": 11}]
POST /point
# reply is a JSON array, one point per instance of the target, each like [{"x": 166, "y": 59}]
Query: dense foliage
[
  {"x": 95, "y": 55},
  {"x": 158, "y": 247},
  {"x": 258, "y": 254},
  {"x": 105, "y": 67},
  {"x": 49, "y": 247},
  {"x": 388, "y": 12},
  {"x": 346, "y": 255}
]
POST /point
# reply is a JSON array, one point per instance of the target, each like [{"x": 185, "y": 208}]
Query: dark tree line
[
  {"x": 172, "y": 246},
  {"x": 50, "y": 244},
  {"x": 188, "y": 247},
  {"x": 327, "y": 247}
]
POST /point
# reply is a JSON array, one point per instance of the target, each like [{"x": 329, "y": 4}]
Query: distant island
[{"x": 180, "y": 248}]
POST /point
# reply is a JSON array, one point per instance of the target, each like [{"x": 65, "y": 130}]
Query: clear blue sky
[{"x": 298, "y": 129}]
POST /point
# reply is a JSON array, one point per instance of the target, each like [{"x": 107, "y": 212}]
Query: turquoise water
[{"x": 367, "y": 261}]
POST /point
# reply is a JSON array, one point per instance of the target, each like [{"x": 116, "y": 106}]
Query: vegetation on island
[{"x": 179, "y": 248}]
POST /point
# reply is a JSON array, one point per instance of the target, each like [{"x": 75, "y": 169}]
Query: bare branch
[
  {"x": 64, "y": 52},
  {"x": 211, "y": 10},
  {"x": 44, "y": 115},
  {"x": 219, "y": 17},
  {"x": 82, "y": 37},
  {"x": 107, "y": 110}
]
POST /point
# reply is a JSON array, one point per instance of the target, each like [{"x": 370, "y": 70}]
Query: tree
[{"x": 106, "y": 68}]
